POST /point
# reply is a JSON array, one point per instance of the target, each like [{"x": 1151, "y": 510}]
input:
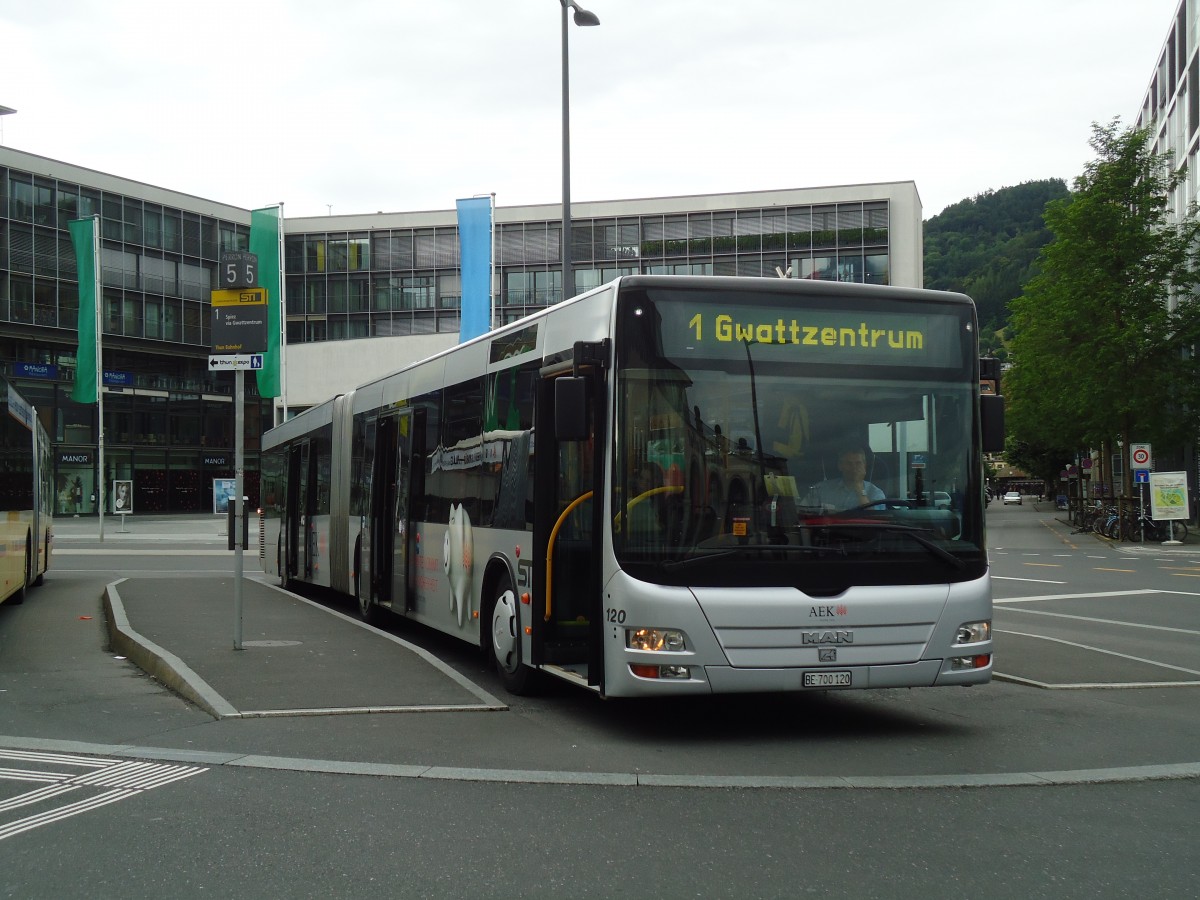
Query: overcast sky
[{"x": 357, "y": 106}]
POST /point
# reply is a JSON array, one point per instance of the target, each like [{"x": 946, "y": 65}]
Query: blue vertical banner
[{"x": 475, "y": 253}]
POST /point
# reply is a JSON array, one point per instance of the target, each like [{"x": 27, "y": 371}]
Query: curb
[
  {"x": 1185, "y": 771},
  {"x": 163, "y": 666}
]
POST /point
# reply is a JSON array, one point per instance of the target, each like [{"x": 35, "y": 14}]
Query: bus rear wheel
[{"x": 506, "y": 639}]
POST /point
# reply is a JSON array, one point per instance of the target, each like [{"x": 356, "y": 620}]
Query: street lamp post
[
  {"x": 582, "y": 17},
  {"x": 8, "y": 111}
]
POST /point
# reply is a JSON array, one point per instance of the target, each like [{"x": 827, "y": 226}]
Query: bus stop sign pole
[
  {"x": 239, "y": 337},
  {"x": 239, "y": 459}
]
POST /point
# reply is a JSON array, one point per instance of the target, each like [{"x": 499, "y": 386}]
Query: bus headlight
[
  {"x": 663, "y": 672},
  {"x": 960, "y": 663},
  {"x": 661, "y": 639},
  {"x": 973, "y": 632}
]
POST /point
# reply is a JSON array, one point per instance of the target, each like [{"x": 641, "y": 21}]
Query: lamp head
[{"x": 583, "y": 16}]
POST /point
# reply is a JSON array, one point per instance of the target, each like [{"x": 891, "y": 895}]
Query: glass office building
[
  {"x": 388, "y": 282},
  {"x": 405, "y": 280}
]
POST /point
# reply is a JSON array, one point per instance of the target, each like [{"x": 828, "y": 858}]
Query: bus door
[
  {"x": 391, "y": 483},
  {"x": 568, "y": 523},
  {"x": 295, "y": 525}
]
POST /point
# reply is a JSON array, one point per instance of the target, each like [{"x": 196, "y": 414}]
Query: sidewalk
[
  {"x": 296, "y": 657},
  {"x": 161, "y": 527}
]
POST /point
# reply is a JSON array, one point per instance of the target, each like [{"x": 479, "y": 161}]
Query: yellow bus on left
[{"x": 26, "y": 496}]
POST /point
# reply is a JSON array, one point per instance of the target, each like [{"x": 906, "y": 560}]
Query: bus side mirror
[
  {"x": 991, "y": 409},
  {"x": 570, "y": 408}
]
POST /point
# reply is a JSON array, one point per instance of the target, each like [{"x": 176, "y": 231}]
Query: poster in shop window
[{"x": 224, "y": 490}]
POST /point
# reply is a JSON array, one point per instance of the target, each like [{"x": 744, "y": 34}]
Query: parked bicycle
[
  {"x": 1169, "y": 530},
  {"x": 1138, "y": 527},
  {"x": 1085, "y": 520},
  {"x": 1128, "y": 525}
]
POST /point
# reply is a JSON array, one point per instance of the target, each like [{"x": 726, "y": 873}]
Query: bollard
[{"x": 231, "y": 544}]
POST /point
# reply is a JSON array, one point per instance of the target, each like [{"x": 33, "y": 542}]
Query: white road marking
[
  {"x": 1033, "y": 580},
  {"x": 122, "y": 778},
  {"x": 1149, "y": 662},
  {"x": 1093, "y": 685},
  {"x": 1042, "y": 612},
  {"x": 1077, "y": 596}
]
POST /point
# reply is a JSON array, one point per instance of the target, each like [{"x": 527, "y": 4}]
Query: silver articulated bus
[{"x": 667, "y": 485}]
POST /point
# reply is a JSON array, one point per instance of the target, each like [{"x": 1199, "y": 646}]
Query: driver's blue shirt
[{"x": 835, "y": 494}]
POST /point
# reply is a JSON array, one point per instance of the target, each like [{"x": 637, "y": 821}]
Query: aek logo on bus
[{"x": 827, "y": 612}]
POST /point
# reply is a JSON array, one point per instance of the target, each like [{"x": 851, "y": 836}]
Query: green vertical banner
[
  {"x": 266, "y": 227},
  {"x": 82, "y": 238}
]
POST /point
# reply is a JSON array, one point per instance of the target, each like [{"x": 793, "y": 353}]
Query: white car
[{"x": 1012, "y": 497}]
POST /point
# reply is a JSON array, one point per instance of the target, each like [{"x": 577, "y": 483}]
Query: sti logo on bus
[{"x": 827, "y": 637}]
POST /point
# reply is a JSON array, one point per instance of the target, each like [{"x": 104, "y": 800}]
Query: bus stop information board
[
  {"x": 239, "y": 321},
  {"x": 1168, "y": 495}
]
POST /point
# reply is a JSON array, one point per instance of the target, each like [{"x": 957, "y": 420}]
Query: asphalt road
[{"x": 1097, "y": 661}]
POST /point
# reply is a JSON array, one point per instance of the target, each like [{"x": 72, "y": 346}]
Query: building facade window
[{"x": 158, "y": 265}]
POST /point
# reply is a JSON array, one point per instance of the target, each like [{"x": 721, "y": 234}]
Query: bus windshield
[{"x": 819, "y": 446}]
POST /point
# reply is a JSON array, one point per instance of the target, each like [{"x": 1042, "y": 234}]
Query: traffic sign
[
  {"x": 230, "y": 362},
  {"x": 1141, "y": 476},
  {"x": 1139, "y": 456}
]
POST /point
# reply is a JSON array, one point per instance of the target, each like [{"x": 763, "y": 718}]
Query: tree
[
  {"x": 1104, "y": 334},
  {"x": 1042, "y": 462},
  {"x": 986, "y": 246}
]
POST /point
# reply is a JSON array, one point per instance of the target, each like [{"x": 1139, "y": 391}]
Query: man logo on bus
[{"x": 458, "y": 550}]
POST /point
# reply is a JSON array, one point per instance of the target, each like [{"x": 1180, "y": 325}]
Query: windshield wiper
[
  {"x": 917, "y": 534},
  {"x": 740, "y": 551}
]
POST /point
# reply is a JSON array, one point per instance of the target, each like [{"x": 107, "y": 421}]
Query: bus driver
[{"x": 850, "y": 491}]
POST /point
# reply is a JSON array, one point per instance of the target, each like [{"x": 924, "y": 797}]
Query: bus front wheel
[{"x": 506, "y": 639}]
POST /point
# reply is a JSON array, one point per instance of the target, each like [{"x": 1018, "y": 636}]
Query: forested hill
[{"x": 986, "y": 247}]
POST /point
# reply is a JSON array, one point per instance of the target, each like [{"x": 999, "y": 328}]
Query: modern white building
[
  {"x": 1171, "y": 106},
  {"x": 1171, "y": 111}
]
